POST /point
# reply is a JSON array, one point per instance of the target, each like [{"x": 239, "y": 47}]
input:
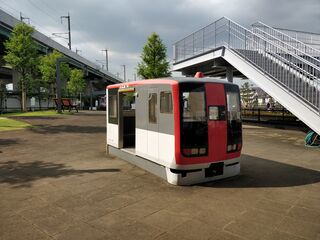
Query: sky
[{"x": 123, "y": 26}]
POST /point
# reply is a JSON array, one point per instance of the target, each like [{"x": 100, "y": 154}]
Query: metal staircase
[{"x": 287, "y": 69}]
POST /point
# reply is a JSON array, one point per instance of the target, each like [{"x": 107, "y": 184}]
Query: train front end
[{"x": 208, "y": 132}]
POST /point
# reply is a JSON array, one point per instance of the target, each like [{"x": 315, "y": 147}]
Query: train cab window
[
  {"x": 217, "y": 113},
  {"x": 233, "y": 104},
  {"x": 193, "y": 106},
  {"x": 234, "y": 127},
  {"x": 194, "y": 124},
  {"x": 152, "y": 108},
  {"x": 166, "y": 102}
]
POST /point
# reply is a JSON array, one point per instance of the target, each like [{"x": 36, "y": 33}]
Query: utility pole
[
  {"x": 107, "y": 60},
  {"x": 22, "y": 18},
  {"x": 124, "y": 72},
  {"x": 135, "y": 77},
  {"x": 69, "y": 28}
]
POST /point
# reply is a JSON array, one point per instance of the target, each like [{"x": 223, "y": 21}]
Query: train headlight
[{"x": 232, "y": 148}]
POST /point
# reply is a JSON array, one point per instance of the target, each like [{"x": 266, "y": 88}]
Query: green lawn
[
  {"x": 7, "y": 124},
  {"x": 36, "y": 114}
]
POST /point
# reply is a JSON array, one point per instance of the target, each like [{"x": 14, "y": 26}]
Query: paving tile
[
  {"x": 118, "y": 201},
  {"x": 16, "y": 228},
  {"x": 275, "y": 235},
  {"x": 134, "y": 231},
  {"x": 164, "y": 220},
  {"x": 309, "y": 202},
  {"x": 167, "y": 236},
  {"x": 223, "y": 235},
  {"x": 305, "y": 214},
  {"x": 248, "y": 229},
  {"x": 299, "y": 228},
  {"x": 110, "y": 220},
  {"x": 137, "y": 210},
  {"x": 284, "y": 195},
  {"x": 193, "y": 229},
  {"x": 266, "y": 218},
  {"x": 81, "y": 231},
  {"x": 273, "y": 206},
  {"x": 214, "y": 217},
  {"x": 89, "y": 212},
  {"x": 50, "y": 219}
]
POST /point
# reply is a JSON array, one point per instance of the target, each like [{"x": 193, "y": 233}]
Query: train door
[
  {"x": 127, "y": 119},
  {"x": 153, "y": 123},
  {"x": 217, "y": 122}
]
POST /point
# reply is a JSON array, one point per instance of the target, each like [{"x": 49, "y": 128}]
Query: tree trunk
[
  {"x": 24, "y": 100},
  {"x": 39, "y": 98}
]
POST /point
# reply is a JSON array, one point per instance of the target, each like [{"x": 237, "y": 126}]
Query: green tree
[
  {"x": 47, "y": 68},
  {"x": 154, "y": 62},
  {"x": 76, "y": 83},
  {"x": 248, "y": 95},
  {"x": 21, "y": 53}
]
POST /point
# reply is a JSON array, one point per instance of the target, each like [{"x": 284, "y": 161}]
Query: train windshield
[
  {"x": 194, "y": 108},
  {"x": 194, "y": 126}
]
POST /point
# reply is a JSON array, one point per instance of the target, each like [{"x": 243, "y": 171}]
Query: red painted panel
[
  {"x": 217, "y": 130},
  {"x": 143, "y": 82},
  {"x": 176, "y": 112}
]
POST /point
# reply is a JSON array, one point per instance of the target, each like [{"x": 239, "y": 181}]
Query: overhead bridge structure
[
  {"x": 94, "y": 74},
  {"x": 282, "y": 65}
]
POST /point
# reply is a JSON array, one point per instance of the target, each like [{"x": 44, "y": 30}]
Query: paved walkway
[{"x": 57, "y": 183}]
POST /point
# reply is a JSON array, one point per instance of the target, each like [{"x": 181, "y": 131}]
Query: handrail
[
  {"x": 297, "y": 55},
  {"x": 274, "y": 57},
  {"x": 304, "y": 45},
  {"x": 280, "y": 47},
  {"x": 286, "y": 61},
  {"x": 288, "y": 52}
]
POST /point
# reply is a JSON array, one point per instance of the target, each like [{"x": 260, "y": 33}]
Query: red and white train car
[{"x": 186, "y": 130}]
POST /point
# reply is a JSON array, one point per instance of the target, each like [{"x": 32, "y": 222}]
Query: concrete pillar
[{"x": 229, "y": 72}]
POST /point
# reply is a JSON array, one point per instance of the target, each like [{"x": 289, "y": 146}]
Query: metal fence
[{"x": 281, "y": 116}]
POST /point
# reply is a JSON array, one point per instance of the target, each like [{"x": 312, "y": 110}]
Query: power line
[
  {"x": 55, "y": 10},
  {"x": 42, "y": 10},
  {"x": 16, "y": 13}
]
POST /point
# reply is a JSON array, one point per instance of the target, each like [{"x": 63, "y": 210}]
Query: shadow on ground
[
  {"x": 49, "y": 129},
  {"x": 23, "y": 174},
  {"x": 258, "y": 172},
  {"x": 8, "y": 141},
  {"x": 35, "y": 117}
]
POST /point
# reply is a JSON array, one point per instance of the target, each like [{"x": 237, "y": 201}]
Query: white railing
[
  {"x": 292, "y": 44},
  {"x": 284, "y": 66}
]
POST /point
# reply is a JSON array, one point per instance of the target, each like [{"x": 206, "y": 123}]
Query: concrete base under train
[{"x": 205, "y": 173}]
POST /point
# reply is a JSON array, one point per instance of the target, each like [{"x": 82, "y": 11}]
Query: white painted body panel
[
  {"x": 142, "y": 143},
  {"x": 156, "y": 147},
  {"x": 113, "y": 135},
  {"x": 199, "y": 177},
  {"x": 153, "y": 145},
  {"x": 166, "y": 149}
]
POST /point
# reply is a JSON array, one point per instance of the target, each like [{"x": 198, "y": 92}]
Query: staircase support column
[{"x": 229, "y": 72}]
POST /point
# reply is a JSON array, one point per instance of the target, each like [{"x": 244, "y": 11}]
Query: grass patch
[
  {"x": 46, "y": 113},
  {"x": 7, "y": 124}
]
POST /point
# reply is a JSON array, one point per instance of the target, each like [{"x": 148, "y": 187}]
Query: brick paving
[{"x": 56, "y": 182}]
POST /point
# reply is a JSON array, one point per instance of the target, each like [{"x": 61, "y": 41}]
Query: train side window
[
  {"x": 166, "y": 102},
  {"x": 152, "y": 107},
  {"x": 113, "y": 109}
]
